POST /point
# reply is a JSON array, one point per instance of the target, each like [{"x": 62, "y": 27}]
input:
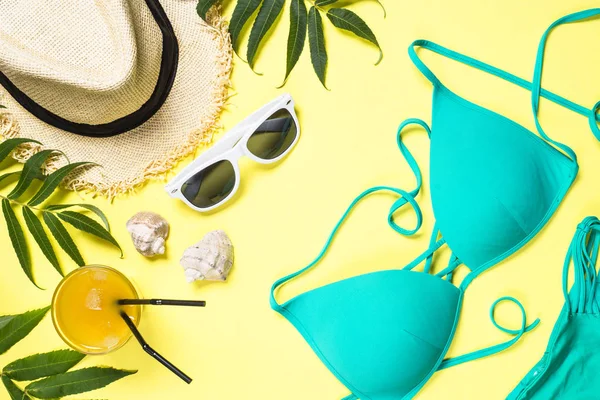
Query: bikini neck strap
[
  {"x": 537, "y": 78},
  {"x": 536, "y": 89}
]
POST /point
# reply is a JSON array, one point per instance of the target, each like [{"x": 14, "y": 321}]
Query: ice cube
[
  {"x": 111, "y": 341},
  {"x": 93, "y": 300},
  {"x": 100, "y": 275}
]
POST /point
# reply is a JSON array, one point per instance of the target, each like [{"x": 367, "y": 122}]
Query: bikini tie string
[
  {"x": 594, "y": 120},
  {"x": 410, "y": 196},
  {"x": 450, "y": 362},
  {"x": 524, "y": 327},
  {"x": 405, "y": 197}
]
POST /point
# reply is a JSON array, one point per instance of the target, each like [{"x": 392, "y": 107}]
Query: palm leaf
[
  {"x": 347, "y": 20},
  {"x": 31, "y": 171},
  {"x": 86, "y": 224},
  {"x": 241, "y": 13},
  {"x": 75, "y": 382},
  {"x": 16, "y": 327},
  {"x": 297, "y": 35},
  {"x": 42, "y": 365},
  {"x": 9, "y": 145},
  {"x": 327, "y": 2},
  {"x": 63, "y": 238},
  {"x": 17, "y": 238},
  {"x": 9, "y": 175},
  {"x": 316, "y": 39},
  {"x": 39, "y": 235},
  {"x": 53, "y": 180},
  {"x": 13, "y": 390},
  {"x": 89, "y": 207},
  {"x": 203, "y": 7},
  {"x": 5, "y": 319},
  {"x": 269, "y": 10}
]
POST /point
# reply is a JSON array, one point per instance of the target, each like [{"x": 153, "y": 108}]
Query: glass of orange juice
[{"x": 85, "y": 312}]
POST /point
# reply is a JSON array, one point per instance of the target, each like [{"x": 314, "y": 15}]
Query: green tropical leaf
[
  {"x": 269, "y": 10},
  {"x": 347, "y": 20},
  {"x": 86, "y": 224},
  {"x": 15, "y": 327},
  {"x": 5, "y": 319},
  {"x": 297, "y": 35},
  {"x": 63, "y": 238},
  {"x": 316, "y": 39},
  {"x": 17, "y": 238},
  {"x": 9, "y": 175},
  {"x": 37, "y": 231},
  {"x": 13, "y": 390},
  {"x": 203, "y": 7},
  {"x": 9, "y": 145},
  {"x": 53, "y": 180},
  {"x": 31, "y": 171},
  {"x": 90, "y": 207},
  {"x": 75, "y": 382},
  {"x": 241, "y": 13},
  {"x": 42, "y": 365},
  {"x": 322, "y": 3}
]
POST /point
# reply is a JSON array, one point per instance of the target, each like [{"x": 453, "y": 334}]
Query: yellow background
[{"x": 238, "y": 348}]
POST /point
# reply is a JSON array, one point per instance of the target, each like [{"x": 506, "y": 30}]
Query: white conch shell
[
  {"x": 210, "y": 259},
  {"x": 148, "y": 232}
]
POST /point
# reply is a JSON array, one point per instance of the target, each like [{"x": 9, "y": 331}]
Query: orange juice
[{"x": 85, "y": 310}]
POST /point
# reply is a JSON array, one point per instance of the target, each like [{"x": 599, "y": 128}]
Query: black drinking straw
[
  {"x": 162, "y": 302},
  {"x": 151, "y": 351}
]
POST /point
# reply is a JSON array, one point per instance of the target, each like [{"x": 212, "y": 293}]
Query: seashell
[
  {"x": 148, "y": 232},
  {"x": 210, "y": 259}
]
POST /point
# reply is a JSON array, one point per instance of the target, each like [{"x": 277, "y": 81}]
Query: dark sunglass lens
[
  {"x": 274, "y": 136},
  {"x": 211, "y": 185}
]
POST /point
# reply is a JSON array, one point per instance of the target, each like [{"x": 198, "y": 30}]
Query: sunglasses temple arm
[{"x": 263, "y": 113}]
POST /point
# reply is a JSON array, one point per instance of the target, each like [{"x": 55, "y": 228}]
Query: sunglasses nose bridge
[{"x": 237, "y": 152}]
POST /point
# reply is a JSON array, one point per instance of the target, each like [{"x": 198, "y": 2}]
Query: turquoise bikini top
[{"x": 494, "y": 186}]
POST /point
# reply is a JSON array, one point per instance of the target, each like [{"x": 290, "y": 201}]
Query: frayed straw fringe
[{"x": 157, "y": 169}]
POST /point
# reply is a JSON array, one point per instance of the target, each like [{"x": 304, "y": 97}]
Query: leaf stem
[
  {"x": 25, "y": 205},
  {"x": 316, "y": 6}
]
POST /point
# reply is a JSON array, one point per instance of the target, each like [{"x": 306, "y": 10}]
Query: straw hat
[{"x": 132, "y": 85}]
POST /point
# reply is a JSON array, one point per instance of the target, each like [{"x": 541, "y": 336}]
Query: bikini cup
[
  {"x": 494, "y": 183},
  {"x": 494, "y": 186},
  {"x": 396, "y": 326}
]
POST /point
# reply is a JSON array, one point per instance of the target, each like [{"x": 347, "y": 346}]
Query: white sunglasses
[{"x": 266, "y": 136}]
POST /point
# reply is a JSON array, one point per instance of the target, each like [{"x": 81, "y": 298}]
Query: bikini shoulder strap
[
  {"x": 537, "y": 78},
  {"x": 535, "y": 87},
  {"x": 490, "y": 69}
]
